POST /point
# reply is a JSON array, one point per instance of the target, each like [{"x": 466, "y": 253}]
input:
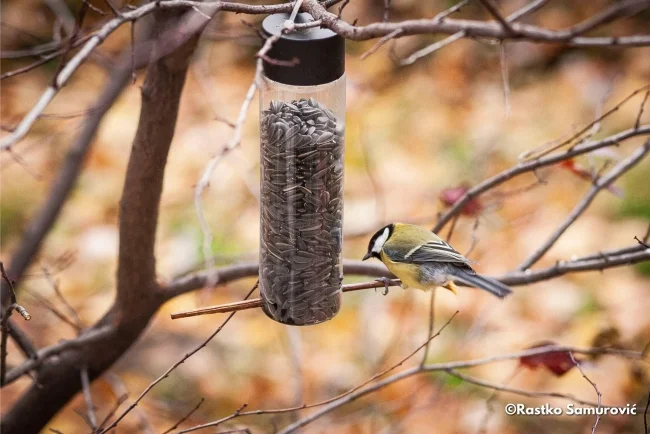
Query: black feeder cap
[{"x": 320, "y": 53}]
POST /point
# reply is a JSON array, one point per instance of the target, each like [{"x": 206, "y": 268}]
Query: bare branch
[
  {"x": 521, "y": 392},
  {"x": 257, "y": 302},
  {"x": 530, "y": 8},
  {"x": 90, "y": 406},
  {"x": 107, "y": 29},
  {"x": 432, "y": 311},
  {"x": 89, "y": 337},
  {"x": 445, "y": 367},
  {"x": 619, "y": 10},
  {"x": 137, "y": 299},
  {"x": 474, "y": 29},
  {"x": 55, "y": 286},
  {"x": 638, "y": 116},
  {"x": 610, "y": 259},
  {"x": 432, "y": 48},
  {"x": 504, "y": 78},
  {"x": 66, "y": 178},
  {"x": 598, "y": 186},
  {"x": 187, "y": 416},
  {"x": 533, "y": 165},
  {"x": 63, "y": 13},
  {"x": 239, "y": 412},
  {"x": 499, "y": 17},
  {"x": 381, "y": 42},
  {"x": 543, "y": 150},
  {"x": 564, "y": 267},
  {"x": 235, "y": 140},
  {"x": 112, "y": 7},
  {"x": 174, "y": 366},
  {"x": 575, "y": 362},
  {"x": 4, "y": 324}
]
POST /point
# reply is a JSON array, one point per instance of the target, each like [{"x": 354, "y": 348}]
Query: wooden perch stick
[{"x": 257, "y": 302}]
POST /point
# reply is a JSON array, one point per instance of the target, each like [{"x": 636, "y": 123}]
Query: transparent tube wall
[{"x": 301, "y": 200}]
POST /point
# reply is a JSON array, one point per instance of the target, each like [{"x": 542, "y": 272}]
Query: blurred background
[{"x": 412, "y": 133}]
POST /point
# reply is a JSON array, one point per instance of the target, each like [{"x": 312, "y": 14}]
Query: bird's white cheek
[{"x": 379, "y": 242}]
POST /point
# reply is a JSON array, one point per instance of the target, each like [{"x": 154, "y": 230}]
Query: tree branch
[
  {"x": 533, "y": 165},
  {"x": 471, "y": 28},
  {"x": 58, "y": 379},
  {"x": 598, "y": 186},
  {"x": 66, "y": 179},
  {"x": 446, "y": 367}
]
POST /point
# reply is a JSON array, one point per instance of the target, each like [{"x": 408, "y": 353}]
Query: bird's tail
[{"x": 476, "y": 280}]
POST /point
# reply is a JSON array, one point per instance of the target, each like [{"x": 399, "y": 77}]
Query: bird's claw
[{"x": 386, "y": 282}]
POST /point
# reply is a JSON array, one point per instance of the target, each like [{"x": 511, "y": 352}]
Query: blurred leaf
[
  {"x": 557, "y": 362},
  {"x": 583, "y": 173},
  {"x": 450, "y": 196}
]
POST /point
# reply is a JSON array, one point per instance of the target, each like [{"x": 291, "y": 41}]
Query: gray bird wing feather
[{"x": 433, "y": 251}]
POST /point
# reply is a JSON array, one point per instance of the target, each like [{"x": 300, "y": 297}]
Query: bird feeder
[{"x": 302, "y": 117}]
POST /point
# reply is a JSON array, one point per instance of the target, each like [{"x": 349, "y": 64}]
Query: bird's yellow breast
[{"x": 409, "y": 274}]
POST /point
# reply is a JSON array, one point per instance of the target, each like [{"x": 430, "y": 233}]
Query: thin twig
[
  {"x": 120, "y": 400},
  {"x": 432, "y": 310},
  {"x": 543, "y": 150},
  {"x": 55, "y": 286},
  {"x": 604, "y": 182},
  {"x": 493, "y": 396},
  {"x": 522, "y": 392},
  {"x": 531, "y": 7},
  {"x": 638, "y": 116},
  {"x": 343, "y": 5},
  {"x": 452, "y": 10},
  {"x": 187, "y": 416},
  {"x": 56, "y": 349},
  {"x": 504, "y": 78},
  {"x": 4, "y": 322},
  {"x": 507, "y": 27},
  {"x": 432, "y": 48},
  {"x": 112, "y": 7},
  {"x": 257, "y": 302},
  {"x": 171, "y": 368},
  {"x": 49, "y": 306},
  {"x": 90, "y": 407},
  {"x": 386, "y": 15},
  {"x": 533, "y": 165},
  {"x": 328, "y": 401},
  {"x": 381, "y": 42},
  {"x": 575, "y": 362},
  {"x": 119, "y": 389},
  {"x": 445, "y": 367},
  {"x": 599, "y": 262}
]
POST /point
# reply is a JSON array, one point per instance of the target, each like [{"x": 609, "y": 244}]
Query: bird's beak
[{"x": 368, "y": 256}]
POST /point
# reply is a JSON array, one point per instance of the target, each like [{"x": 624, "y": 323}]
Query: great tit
[{"x": 420, "y": 259}]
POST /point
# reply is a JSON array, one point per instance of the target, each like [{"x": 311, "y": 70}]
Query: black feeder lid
[{"x": 320, "y": 53}]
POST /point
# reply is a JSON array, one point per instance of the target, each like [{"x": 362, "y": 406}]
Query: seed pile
[{"x": 302, "y": 206}]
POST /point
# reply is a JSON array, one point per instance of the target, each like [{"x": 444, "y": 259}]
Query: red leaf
[
  {"x": 558, "y": 362},
  {"x": 450, "y": 196}
]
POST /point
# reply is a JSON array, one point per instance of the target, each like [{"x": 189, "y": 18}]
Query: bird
[{"x": 422, "y": 260}]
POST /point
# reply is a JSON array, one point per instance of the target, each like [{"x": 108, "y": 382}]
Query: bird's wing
[{"x": 434, "y": 251}]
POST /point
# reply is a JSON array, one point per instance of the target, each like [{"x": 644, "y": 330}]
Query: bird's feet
[{"x": 386, "y": 282}]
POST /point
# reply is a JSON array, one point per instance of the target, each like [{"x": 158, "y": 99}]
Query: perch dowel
[{"x": 257, "y": 302}]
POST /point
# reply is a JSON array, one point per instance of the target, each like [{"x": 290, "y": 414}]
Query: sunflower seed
[{"x": 301, "y": 218}]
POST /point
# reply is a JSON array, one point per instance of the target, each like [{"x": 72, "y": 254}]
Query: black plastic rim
[{"x": 320, "y": 53}]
